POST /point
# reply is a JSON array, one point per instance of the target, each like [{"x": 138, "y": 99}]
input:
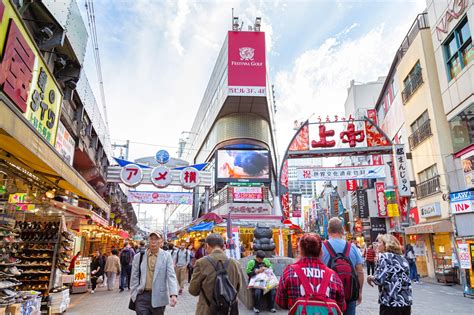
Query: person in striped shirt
[{"x": 369, "y": 255}]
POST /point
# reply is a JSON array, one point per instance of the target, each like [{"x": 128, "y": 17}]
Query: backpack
[
  {"x": 342, "y": 265},
  {"x": 125, "y": 257},
  {"x": 314, "y": 302},
  {"x": 224, "y": 299}
]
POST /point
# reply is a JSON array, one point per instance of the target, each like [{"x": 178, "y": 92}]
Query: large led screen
[{"x": 243, "y": 166}]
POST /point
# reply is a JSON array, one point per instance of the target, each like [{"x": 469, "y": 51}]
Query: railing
[
  {"x": 428, "y": 187},
  {"x": 421, "y": 22},
  {"x": 422, "y": 133},
  {"x": 415, "y": 82}
]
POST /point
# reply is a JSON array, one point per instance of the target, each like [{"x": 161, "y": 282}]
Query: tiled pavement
[{"x": 429, "y": 298}]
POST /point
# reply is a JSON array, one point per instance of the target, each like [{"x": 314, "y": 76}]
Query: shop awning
[
  {"x": 203, "y": 226},
  {"x": 443, "y": 226},
  {"x": 18, "y": 139},
  {"x": 82, "y": 212}
]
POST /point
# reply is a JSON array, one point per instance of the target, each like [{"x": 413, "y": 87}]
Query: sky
[{"x": 157, "y": 58}]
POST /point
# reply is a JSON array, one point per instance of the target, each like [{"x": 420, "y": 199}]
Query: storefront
[{"x": 433, "y": 245}]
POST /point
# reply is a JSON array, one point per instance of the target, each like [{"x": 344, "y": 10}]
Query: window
[
  {"x": 458, "y": 49},
  {"x": 419, "y": 122},
  {"x": 462, "y": 128},
  {"x": 412, "y": 82},
  {"x": 428, "y": 173}
]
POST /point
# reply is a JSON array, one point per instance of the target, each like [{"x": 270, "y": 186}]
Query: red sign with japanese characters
[
  {"x": 246, "y": 63},
  {"x": 351, "y": 185}
]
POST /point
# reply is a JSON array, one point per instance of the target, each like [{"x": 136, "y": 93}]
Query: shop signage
[
  {"x": 248, "y": 208},
  {"x": 189, "y": 177},
  {"x": 455, "y": 10},
  {"x": 351, "y": 185},
  {"x": 247, "y": 194},
  {"x": 467, "y": 161},
  {"x": 65, "y": 144},
  {"x": 160, "y": 197},
  {"x": 340, "y": 173},
  {"x": 161, "y": 176},
  {"x": 131, "y": 175},
  {"x": 403, "y": 181},
  {"x": 246, "y": 64},
  {"x": 392, "y": 204},
  {"x": 296, "y": 205},
  {"x": 374, "y": 138},
  {"x": 81, "y": 272},
  {"x": 17, "y": 198},
  {"x": 362, "y": 203},
  {"x": 24, "y": 77},
  {"x": 432, "y": 210},
  {"x": 381, "y": 200},
  {"x": 377, "y": 159},
  {"x": 464, "y": 256},
  {"x": 323, "y": 138},
  {"x": 99, "y": 220},
  {"x": 378, "y": 226},
  {"x": 462, "y": 202}
]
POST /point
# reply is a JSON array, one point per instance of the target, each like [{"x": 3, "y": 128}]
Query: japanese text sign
[
  {"x": 464, "y": 256},
  {"x": 246, "y": 64},
  {"x": 189, "y": 177},
  {"x": 381, "y": 201},
  {"x": 401, "y": 170},
  {"x": 362, "y": 203},
  {"x": 340, "y": 173},
  {"x": 24, "y": 77},
  {"x": 351, "y": 185},
  {"x": 247, "y": 194},
  {"x": 161, "y": 176},
  {"x": 81, "y": 272},
  {"x": 325, "y": 137},
  {"x": 377, "y": 226},
  {"x": 160, "y": 197},
  {"x": 131, "y": 175}
]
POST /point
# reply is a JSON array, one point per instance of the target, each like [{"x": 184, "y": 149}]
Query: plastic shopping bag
[
  {"x": 272, "y": 281},
  {"x": 258, "y": 281}
]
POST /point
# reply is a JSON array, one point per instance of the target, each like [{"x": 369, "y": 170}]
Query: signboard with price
[
  {"x": 81, "y": 272},
  {"x": 464, "y": 256}
]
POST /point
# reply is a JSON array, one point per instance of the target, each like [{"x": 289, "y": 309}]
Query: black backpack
[
  {"x": 224, "y": 299},
  {"x": 125, "y": 257}
]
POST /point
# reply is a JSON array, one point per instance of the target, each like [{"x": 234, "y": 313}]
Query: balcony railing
[
  {"x": 413, "y": 84},
  {"x": 422, "y": 133},
  {"x": 428, "y": 188}
]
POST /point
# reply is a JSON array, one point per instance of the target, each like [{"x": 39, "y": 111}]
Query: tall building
[
  {"x": 451, "y": 37},
  {"x": 234, "y": 127}
]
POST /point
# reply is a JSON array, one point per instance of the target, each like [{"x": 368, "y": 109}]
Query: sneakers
[
  {"x": 273, "y": 310},
  {"x": 180, "y": 291},
  {"x": 92, "y": 291},
  {"x": 256, "y": 310}
]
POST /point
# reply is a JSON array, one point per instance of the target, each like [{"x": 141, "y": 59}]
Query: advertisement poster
[
  {"x": 467, "y": 161},
  {"x": 381, "y": 201},
  {"x": 160, "y": 197},
  {"x": 362, "y": 203},
  {"x": 246, "y": 64},
  {"x": 243, "y": 166},
  {"x": 65, "y": 144},
  {"x": 247, "y": 194},
  {"x": 377, "y": 226},
  {"x": 81, "y": 272},
  {"x": 340, "y": 173},
  {"x": 464, "y": 256},
  {"x": 296, "y": 205}
]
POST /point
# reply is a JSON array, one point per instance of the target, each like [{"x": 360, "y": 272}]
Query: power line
[{"x": 95, "y": 44}]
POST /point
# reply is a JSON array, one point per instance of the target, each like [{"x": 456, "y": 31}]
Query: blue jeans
[
  {"x": 258, "y": 295},
  {"x": 125, "y": 275},
  {"x": 350, "y": 308},
  {"x": 414, "y": 272}
]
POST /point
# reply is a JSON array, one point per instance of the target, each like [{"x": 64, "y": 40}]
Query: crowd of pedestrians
[{"x": 327, "y": 276}]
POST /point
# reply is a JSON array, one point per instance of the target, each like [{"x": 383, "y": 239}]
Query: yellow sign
[
  {"x": 17, "y": 198},
  {"x": 24, "y": 77},
  {"x": 218, "y": 229},
  {"x": 392, "y": 209}
]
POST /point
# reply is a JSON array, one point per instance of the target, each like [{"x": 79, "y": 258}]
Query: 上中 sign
[
  {"x": 362, "y": 203},
  {"x": 160, "y": 197},
  {"x": 24, "y": 77},
  {"x": 431, "y": 210},
  {"x": 464, "y": 256},
  {"x": 189, "y": 177},
  {"x": 131, "y": 175},
  {"x": 403, "y": 180},
  {"x": 381, "y": 200},
  {"x": 161, "y": 176},
  {"x": 340, "y": 173},
  {"x": 247, "y": 194}
]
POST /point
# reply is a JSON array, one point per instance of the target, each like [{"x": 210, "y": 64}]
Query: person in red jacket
[{"x": 289, "y": 288}]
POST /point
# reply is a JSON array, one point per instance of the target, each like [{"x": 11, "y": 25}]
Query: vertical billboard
[
  {"x": 296, "y": 205},
  {"x": 24, "y": 77},
  {"x": 246, "y": 64}
]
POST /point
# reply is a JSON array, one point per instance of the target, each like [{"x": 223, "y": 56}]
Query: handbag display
[{"x": 131, "y": 304}]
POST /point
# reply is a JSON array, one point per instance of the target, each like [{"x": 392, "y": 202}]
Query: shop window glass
[
  {"x": 462, "y": 128},
  {"x": 458, "y": 49}
]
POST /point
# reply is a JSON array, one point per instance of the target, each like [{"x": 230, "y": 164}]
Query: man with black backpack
[
  {"x": 216, "y": 280},
  {"x": 345, "y": 259},
  {"x": 126, "y": 257}
]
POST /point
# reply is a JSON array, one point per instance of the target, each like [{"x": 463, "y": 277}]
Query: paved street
[{"x": 429, "y": 299}]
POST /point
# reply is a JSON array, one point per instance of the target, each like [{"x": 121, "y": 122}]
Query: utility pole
[{"x": 126, "y": 146}]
